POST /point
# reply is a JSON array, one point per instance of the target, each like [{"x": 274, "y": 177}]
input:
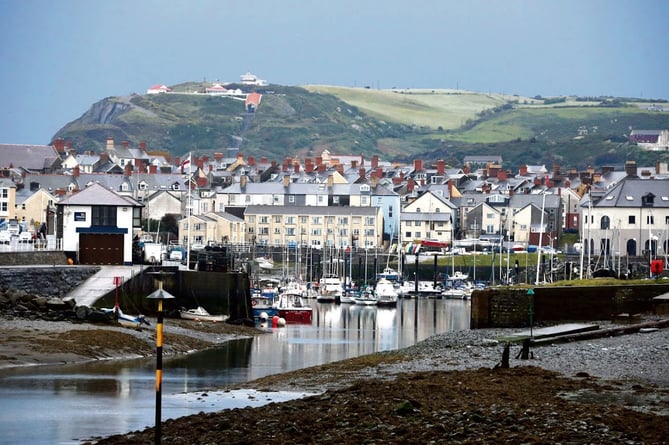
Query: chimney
[
  {"x": 274, "y": 164},
  {"x": 59, "y": 144},
  {"x": 523, "y": 170},
  {"x": 466, "y": 169},
  {"x": 450, "y": 187},
  {"x": 319, "y": 160},
  {"x": 410, "y": 185},
  {"x": 242, "y": 181},
  {"x": 330, "y": 181},
  {"x": 240, "y": 155},
  {"x": 492, "y": 170},
  {"x": 128, "y": 170},
  {"x": 104, "y": 156},
  {"x": 75, "y": 171},
  {"x": 567, "y": 183},
  {"x": 630, "y": 168},
  {"x": 286, "y": 180},
  {"x": 440, "y": 167},
  {"x": 110, "y": 143},
  {"x": 340, "y": 169},
  {"x": 142, "y": 145},
  {"x": 374, "y": 181},
  {"x": 397, "y": 180},
  {"x": 309, "y": 167},
  {"x": 417, "y": 165},
  {"x": 354, "y": 163},
  {"x": 218, "y": 156},
  {"x": 537, "y": 181},
  {"x": 124, "y": 144},
  {"x": 296, "y": 167},
  {"x": 501, "y": 175},
  {"x": 362, "y": 173},
  {"x": 153, "y": 169},
  {"x": 284, "y": 167},
  {"x": 205, "y": 159},
  {"x": 321, "y": 168},
  {"x": 375, "y": 161},
  {"x": 378, "y": 173},
  {"x": 511, "y": 192},
  {"x": 264, "y": 160}
]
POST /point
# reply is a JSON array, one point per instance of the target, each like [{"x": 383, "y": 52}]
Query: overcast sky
[{"x": 57, "y": 58}]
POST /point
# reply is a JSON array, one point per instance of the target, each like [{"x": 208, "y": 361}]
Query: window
[
  {"x": 320, "y": 198},
  {"x": 277, "y": 230},
  {"x": 264, "y": 231},
  {"x": 304, "y": 219},
  {"x": 290, "y": 231},
  {"x": 605, "y": 223},
  {"x": 247, "y": 199},
  {"x": 264, "y": 220},
  {"x": 316, "y": 220},
  {"x": 335, "y": 199},
  {"x": 276, "y": 199},
  {"x": 364, "y": 200},
  {"x": 316, "y": 232},
  {"x": 407, "y": 234},
  {"x": 417, "y": 235},
  {"x": 650, "y": 220},
  {"x": 369, "y": 220},
  {"x": 343, "y": 220},
  {"x": 277, "y": 219},
  {"x": 408, "y": 223},
  {"x": 103, "y": 216},
  {"x": 252, "y": 218},
  {"x": 290, "y": 220},
  {"x": 291, "y": 199},
  {"x": 631, "y": 219},
  {"x": 390, "y": 211},
  {"x": 369, "y": 232}
]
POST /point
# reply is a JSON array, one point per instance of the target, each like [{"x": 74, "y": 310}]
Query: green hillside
[{"x": 396, "y": 124}]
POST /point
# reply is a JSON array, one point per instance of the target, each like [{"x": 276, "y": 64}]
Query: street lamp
[
  {"x": 541, "y": 232},
  {"x": 159, "y": 295}
]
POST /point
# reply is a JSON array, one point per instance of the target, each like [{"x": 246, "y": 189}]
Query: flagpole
[{"x": 189, "y": 204}]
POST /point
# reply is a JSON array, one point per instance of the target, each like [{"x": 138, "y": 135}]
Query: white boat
[
  {"x": 389, "y": 274},
  {"x": 366, "y": 297},
  {"x": 200, "y": 314},
  {"x": 265, "y": 263},
  {"x": 330, "y": 289},
  {"x": 458, "y": 286},
  {"x": 348, "y": 296},
  {"x": 129, "y": 321},
  {"x": 386, "y": 293}
]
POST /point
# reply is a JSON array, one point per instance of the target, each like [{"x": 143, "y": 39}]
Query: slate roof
[
  {"x": 311, "y": 210},
  {"x": 34, "y": 158},
  {"x": 97, "y": 194},
  {"x": 629, "y": 193}
]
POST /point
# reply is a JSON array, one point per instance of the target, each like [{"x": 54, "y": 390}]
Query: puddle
[{"x": 646, "y": 402}]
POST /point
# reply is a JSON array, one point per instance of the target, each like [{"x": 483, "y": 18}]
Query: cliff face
[{"x": 105, "y": 112}]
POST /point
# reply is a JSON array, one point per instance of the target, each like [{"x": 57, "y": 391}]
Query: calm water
[{"x": 66, "y": 404}]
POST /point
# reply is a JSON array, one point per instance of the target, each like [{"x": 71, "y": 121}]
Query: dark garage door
[{"x": 100, "y": 248}]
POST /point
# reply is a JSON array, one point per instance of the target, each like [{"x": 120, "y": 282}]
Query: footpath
[{"x": 103, "y": 282}]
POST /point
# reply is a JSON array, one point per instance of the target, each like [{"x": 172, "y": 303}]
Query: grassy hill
[{"x": 397, "y": 124}]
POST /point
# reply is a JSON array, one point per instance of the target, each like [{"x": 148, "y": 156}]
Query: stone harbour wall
[{"x": 49, "y": 281}]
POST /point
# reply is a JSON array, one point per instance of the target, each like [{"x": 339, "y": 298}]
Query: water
[{"x": 70, "y": 403}]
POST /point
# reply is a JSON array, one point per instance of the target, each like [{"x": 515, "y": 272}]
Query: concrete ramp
[
  {"x": 556, "y": 331},
  {"x": 100, "y": 284}
]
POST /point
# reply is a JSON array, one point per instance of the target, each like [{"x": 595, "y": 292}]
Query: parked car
[
  {"x": 25, "y": 237},
  {"x": 176, "y": 255},
  {"x": 5, "y": 237}
]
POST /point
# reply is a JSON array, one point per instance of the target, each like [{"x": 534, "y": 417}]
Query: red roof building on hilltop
[
  {"x": 253, "y": 101},
  {"x": 158, "y": 88}
]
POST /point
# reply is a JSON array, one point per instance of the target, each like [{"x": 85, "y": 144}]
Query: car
[
  {"x": 5, "y": 237},
  {"x": 176, "y": 255},
  {"x": 25, "y": 237}
]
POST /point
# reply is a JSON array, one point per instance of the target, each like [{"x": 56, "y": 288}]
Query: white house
[{"x": 96, "y": 226}]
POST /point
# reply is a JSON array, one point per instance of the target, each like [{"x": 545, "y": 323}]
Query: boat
[
  {"x": 386, "y": 293},
  {"x": 262, "y": 303},
  {"x": 200, "y": 314},
  {"x": 291, "y": 306},
  {"x": 129, "y": 321},
  {"x": 348, "y": 295},
  {"x": 389, "y": 274},
  {"x": 458, "y": 286},
  {"x": 329, "y": 289},
  {"x": 366, "y": 297},
  {"x": 265, "y": 263}
]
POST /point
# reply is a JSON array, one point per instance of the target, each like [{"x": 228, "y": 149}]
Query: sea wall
[
  {"x": 48, "y": 281},
  {"x": 33, "y": 257},
  {"x": 514, "y": 307}
]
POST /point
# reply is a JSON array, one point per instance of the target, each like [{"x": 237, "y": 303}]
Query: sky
[{"x": 57, "y": 58}]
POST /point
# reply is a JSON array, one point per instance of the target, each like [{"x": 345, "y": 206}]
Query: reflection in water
[{"x": 61, "y": 404}]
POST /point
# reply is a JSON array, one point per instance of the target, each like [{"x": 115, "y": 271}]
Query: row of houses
[{"x": 329, "y": 200}]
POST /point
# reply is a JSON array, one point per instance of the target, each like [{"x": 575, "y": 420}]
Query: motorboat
[
  {"x": 292, "y": 308},
  {"x": 262, "y": 303},
  {"x": 386, "y": 293},
  {"x": 366, "y": 297},
  {"x": 200, "y": 314},
  {"x": 330, "y": 289},
  {"x": 126, "y": 320}
]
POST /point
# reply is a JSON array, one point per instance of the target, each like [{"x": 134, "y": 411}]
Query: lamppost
[
  {"x": 159, "y": 295},
  {"x": 541, "y": 232}
]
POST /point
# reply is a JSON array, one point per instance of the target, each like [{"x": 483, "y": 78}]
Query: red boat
[{"x": 291, "y": 307}]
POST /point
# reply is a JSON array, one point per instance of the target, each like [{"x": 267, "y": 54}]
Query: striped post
[
  {"x": 159, "y": 371},
  {"x": 159, "y": 295}
]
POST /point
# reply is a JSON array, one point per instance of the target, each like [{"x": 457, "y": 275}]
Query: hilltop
[{"x": 396, "y": 124}]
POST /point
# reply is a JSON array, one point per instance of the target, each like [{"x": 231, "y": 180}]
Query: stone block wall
[{"x": 48, "y": 281}]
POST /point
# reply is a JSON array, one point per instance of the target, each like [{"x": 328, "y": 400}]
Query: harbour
[{"x": 66, "y": 404}]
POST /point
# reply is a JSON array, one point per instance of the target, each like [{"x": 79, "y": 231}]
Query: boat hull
[{"x": 296, "y": 316}]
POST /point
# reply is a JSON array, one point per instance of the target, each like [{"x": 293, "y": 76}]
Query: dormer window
[
  {"x": 365, "y": 188},
  {"x": 647, "y": 200}
]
